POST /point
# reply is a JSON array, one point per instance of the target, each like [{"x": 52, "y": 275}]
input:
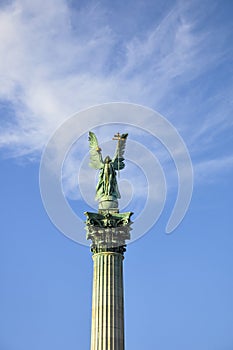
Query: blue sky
[{"x": 60, "y": 57}]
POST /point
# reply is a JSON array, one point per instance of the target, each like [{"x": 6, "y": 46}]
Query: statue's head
[{"x": 107, "y": 159}]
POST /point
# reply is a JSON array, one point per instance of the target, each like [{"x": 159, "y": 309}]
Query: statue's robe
[{"x": 107, "y": 184}]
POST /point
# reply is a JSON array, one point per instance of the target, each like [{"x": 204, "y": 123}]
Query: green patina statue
[{"x": 107, "y": 188}]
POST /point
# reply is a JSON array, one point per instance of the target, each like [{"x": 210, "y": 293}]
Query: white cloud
[
  {"x": 208, "y": 171},
  {"x": 55, "y": 60}
]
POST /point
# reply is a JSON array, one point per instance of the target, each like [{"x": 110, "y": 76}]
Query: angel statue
[{"x": 107, "y": 188}]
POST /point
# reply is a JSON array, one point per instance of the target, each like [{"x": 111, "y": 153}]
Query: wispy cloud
[
  {"x": 208, "y": 171},
  {"x": 56, "y": 60}
]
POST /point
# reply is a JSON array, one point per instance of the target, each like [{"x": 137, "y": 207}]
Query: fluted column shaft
[{"x": 107, "y": 302}]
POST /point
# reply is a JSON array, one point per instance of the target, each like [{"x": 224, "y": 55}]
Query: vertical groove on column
[
  {"x": 104, "y": 306},
  {"x": 94, "y": 310},
  {"x": 115, "y": 306},
  {"x": 97, "y": 261},
  {"x": 113, "y": 314},
  {"x": 122, "y": 307},
  {"x": 101, "y": 309},
  {"x": 114, "y": 300},
  {"x": 109, "y": 299}
]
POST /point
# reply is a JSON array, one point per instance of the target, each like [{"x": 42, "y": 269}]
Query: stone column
[
  {"x": 107, "y": 302},
  {"x": 108, "y": 232}
]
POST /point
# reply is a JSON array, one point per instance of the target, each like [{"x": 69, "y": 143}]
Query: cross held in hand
[{"x": 117, "y": 137}]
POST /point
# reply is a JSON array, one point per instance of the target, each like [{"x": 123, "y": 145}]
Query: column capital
[{"x": 108, "y": 230}]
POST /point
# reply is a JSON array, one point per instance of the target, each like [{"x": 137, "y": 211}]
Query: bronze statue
[{"x": 107, "y": 188}]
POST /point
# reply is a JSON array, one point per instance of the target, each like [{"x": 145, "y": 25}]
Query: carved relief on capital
[{"x": 107, "y": 219}]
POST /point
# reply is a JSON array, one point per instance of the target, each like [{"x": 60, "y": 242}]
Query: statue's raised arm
[
  {"x": 107, "y": 191},
  {"x": 118, "y": 159}
]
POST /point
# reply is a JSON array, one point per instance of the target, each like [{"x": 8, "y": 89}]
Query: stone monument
[{"x": 108, "y": 229}]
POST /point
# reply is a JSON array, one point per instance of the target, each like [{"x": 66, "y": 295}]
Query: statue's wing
[
  {"x": 118, "y": 160},
  {"x": 96, "y": 160}
]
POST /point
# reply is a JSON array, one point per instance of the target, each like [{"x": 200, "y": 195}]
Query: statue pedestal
[{"x": 108, "y": 203}]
